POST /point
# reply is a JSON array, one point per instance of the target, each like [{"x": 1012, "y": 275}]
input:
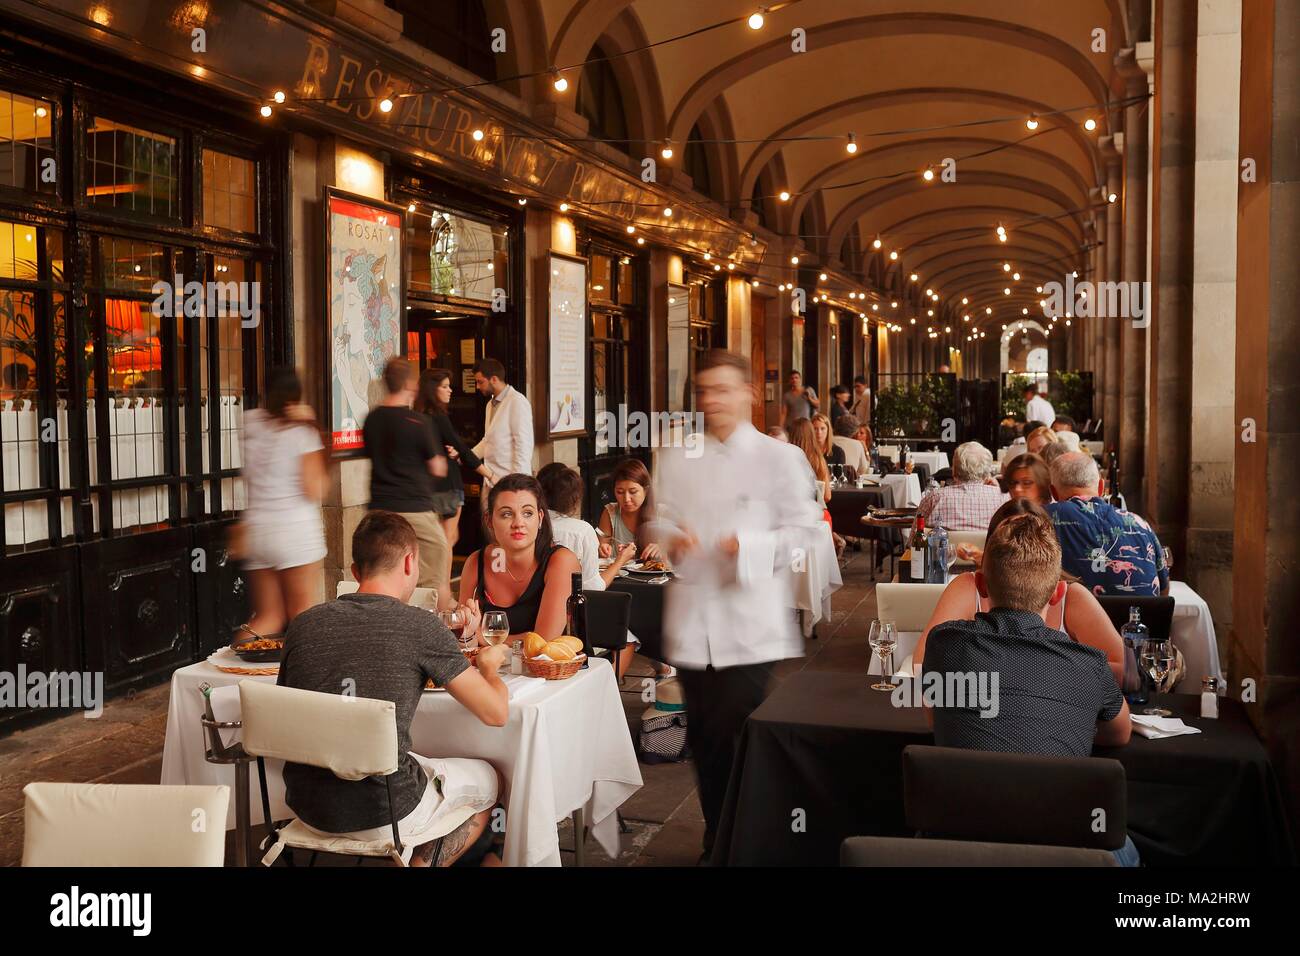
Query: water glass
[{"x": 883, "y": 640}]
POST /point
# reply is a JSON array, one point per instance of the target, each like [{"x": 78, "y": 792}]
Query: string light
[
  {"x": 278, "y": 97},
  {"x": 756, "y": 20},
  {"x": 794, "y": 260},
  {"x": 564, "y": 207},
  {"x": 1015, "y": 276},
  {"x": 385, "y": 105},
  {"x": 876, "y": 244},
  {"x": 913, "y": 277},
  {"x": 1111, "y": 198},
  {"x": 928, "y": 174},
  {"x": 266, "y": 111},
  {"x": 523, "y": 200},
  {"x": 477, "y": 135},
  {"x": 631, "y": 229},
  {"x": 667, "y": 151},
  {"x": 1090, "y": 124},
  {"x": 668, "y": 212},
  {"x": 851, "y": 145},
  {"x": 893, "y": 256},
  {"x": 785, "y": 195},
  {"x": 640, "y": 240},
  {"x": 411, "y": 207},
  {"x": 1006, "y": 267},
  {"x": 558, "y": 81},
  {"x": 822, "y": 277},
  {"x": 1032, "y": 122}
]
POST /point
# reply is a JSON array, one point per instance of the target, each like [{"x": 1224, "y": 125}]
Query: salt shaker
[
  {"x": 1210, "y": 697},
  {"x": 517, "y": 657}
]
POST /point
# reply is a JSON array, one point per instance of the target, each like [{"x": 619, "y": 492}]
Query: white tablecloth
[
  {"x": 820, "y": 579},
  {"x": 566, "y": 746},
  {"x": 906, "y": 488},
  {"x": 934, "y": 460},
  {"x": 1193, "y": 634}
]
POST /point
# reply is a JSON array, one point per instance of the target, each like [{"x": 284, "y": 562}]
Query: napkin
[
  {"x": 225, "y": 708},
  {"x": 520, "y": 686},
  {"x": 1157, "y": 728}
]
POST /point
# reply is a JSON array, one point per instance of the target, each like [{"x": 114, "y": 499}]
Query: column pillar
[
  {"x": 1266, "y": 602},
  {"x": 1133, "y": 345},
  {"x": 1109, "y": 327}
]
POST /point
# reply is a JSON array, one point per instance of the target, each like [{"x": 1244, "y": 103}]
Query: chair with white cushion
[
  {"x": 973, "y": 538},
  {"x": 421, "y": 597},
  {"x": 108, "y": 824},
  {"x": 352, "y": 737},
  {"x": 909, "y": 606}
]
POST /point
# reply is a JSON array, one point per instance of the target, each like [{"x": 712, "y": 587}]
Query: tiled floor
[{"x": 663, "y": 819}]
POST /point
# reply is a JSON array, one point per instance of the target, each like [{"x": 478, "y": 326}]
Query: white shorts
[
  {"x": 283, "y": 545},
  {"x": 467, "y": 787}
]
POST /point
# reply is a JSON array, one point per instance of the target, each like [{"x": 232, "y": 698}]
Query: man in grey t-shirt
[
  {"x": 797, "y": 402},
  {"x": 373, "y": 644}
]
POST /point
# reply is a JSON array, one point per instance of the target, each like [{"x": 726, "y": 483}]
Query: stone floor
[{"x": 663, "y": 818}]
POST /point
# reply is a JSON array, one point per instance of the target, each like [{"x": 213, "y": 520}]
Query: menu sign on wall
[{"x": 566, "y": 408}]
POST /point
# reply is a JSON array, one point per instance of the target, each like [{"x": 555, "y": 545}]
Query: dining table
[
  {"x": 565, "y": 747},
  {"x": 821, "y": 760}
]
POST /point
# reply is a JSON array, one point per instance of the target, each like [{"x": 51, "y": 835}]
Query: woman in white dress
[{"x": 286, "y": 479}]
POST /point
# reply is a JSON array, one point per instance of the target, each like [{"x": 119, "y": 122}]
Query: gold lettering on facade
[
  {"x": 376, "y": 87},
  {"x": 315, "y": 68},
  {"x": 345, "y": 83}
]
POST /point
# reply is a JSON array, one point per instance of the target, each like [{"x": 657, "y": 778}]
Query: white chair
[
  {"x": 909, "y": 606},
  {"x": 973, "y": 538},
  {"x": 422, "y": 597},
  {"x": 352, "y": 737},
  {"x": 107, "y": 824}
]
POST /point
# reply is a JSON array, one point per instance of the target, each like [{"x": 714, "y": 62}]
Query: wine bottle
[
  {"x": 918, "y": 546},
  {"x": 575, "y": 611},
  {"x": 1115, "y": 499}
]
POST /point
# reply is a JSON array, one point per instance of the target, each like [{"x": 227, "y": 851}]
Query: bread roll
[
  {"x": 534, "y": 644},
  {"x": 559, "y": 652},
  {"x": 574, "y": 644}
]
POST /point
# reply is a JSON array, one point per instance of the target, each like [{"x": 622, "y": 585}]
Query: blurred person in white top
[
  {"x": 1037, "y": 408},
  {"x": 283, "y": 536},
  {"x": 736, "y": 512}
]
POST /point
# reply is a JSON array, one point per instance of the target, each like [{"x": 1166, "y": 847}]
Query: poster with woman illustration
[{"x": 364, "y": 282}]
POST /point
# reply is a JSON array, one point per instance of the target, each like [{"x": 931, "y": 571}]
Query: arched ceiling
[{"x": 916, "y": 82}]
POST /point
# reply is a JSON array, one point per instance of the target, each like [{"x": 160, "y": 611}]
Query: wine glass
[
  {"x": 1169, "y": 558},
  {"x": 455, "y": 619},
  {"x": 1158, "y": 663},
  {"x": 883, "y": 639},
  {"x": 496, "y": 627}
]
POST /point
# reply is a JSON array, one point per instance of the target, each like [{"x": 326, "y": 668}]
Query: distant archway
[{"x": 1025, "y": 343}]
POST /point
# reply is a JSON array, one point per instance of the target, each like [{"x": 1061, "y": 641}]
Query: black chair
[
  {"x": 608, "y": 614},
  {"x": 1157, "y": 612},
  {"x": 901, "y": 851},
  {"x": 979, "y": 795}
]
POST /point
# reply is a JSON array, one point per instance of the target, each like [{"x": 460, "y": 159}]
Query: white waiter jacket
[
  {"x": 728, "y": 611},
  {"x": 1039, "y": 409},
  {"x": 507, "y": 444}
]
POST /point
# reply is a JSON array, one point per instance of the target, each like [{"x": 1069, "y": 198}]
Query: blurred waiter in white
[
  {"x": 507, "y": 444},
  {"x": 736, "y": 513}
]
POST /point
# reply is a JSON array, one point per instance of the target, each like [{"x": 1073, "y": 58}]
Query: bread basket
[{"x": 553, "y": 670}]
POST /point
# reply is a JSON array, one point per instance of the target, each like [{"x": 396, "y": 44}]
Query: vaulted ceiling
[{"x": 915, "y": 81}]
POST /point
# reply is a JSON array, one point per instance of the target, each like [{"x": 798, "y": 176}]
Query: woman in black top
[
  {"x": 432, "y": 398},
  {"x": 523, "y": 572}
]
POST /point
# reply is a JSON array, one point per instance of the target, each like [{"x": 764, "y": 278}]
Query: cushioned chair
[
  {"x": 106, "y": 824},
  {"x": 421, "y": 597},
  {"x": 352, "y": 737},
  {"x": 1157, "y": 612},
  {"x": 957, "y": 794},
  {"x": 608, "y": 615},
  {"x": 895, "y": 851},
  {"x": 973, "y": 538},
  {"x": 909, "y": 606}
]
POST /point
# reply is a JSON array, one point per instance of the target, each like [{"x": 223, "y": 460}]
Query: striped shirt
[{"x": 968, "y": 506}]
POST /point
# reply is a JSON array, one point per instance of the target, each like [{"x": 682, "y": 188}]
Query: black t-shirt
[
  {"x": 400, "y": 443},
  {"x": 1051, "y": 690},
  {"x": 376, "y": 647}
]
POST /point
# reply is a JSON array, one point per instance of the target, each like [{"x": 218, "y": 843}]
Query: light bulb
[
  {"x": 411, "y": 208},
  {"x": 631, "y": 229},
  {"x": 1032, "y": 122},
  {"x": 876, "y": 244},
  {"x": 278, "y": 97},
  {"x": 668, "y": 212},
  {"x": 1111, "y": 198},
  {"x": 1006, "y": 267},
  {"x": 478, "y": 135},
  {"x": 794, "y": 260},
  {"x": 851, "y": 145},
  {"x": 730, "y": 266},
  {"x": 1016, "y": 276},
  {"x": 640, "y": 240},
  {"x": 913, "y": 277},
  {"x": 893, "y": 256},
  {"x": 266, "y": 111},
  {"x": 1090, "y": 124},
  {"x": 822, "y": 277},
  {"x": 964, "y": 300},
  {"x": 667, "y": 151},
  {"x": 559, "y": 82},
  {"x": 523, "y": 200},
  {"x": 564, "y": 207},
  {"x": 785, "y": 195},
  {"x": 928, "y": 174},
  {"x": 756, "y": 21},
  {"x": 385, "y": 105},
  {"x": 1006, "y": 291}
]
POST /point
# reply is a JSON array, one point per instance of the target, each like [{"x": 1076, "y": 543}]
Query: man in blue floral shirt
[{"x": 1110, "y": 551}]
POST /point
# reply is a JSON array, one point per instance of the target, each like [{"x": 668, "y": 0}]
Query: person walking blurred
[
  {"x": 283, "y": 537},
  {"x": 507, "y": 444}
]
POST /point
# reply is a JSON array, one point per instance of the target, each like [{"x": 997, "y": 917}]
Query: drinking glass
[
  {"x": 496, "y": 627},
  {"x": 1158, "y": 664},
  {"x": 1169, "y": 558},
  {"x": 883, "y": 639},
  {"x": 454, "y": 619}
]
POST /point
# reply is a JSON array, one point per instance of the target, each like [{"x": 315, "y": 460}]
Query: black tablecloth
[
  {"x": 849, "y": 504},
  {"x": 647, "y": 622},
  {"x": 821, "y": 760}
]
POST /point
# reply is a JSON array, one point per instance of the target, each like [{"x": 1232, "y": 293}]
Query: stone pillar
[
  {"x": 1133, "y": 345},
  {"x": 1110, "y": 327},
  {"x": 1169, "y": 412},
  {"x": 1214, "y": 300},
  {"x": 1266, "y": 602}
]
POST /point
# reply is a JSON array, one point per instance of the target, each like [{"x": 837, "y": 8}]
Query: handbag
[{"x": 663, "y": 737}]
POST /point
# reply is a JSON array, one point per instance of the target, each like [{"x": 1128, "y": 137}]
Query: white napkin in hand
[{"x": 1156, "y": 728}]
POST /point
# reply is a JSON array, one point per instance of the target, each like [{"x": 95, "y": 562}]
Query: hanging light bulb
[
  {"x": 1090, "y": 124},
  {"x": 913, "y": 277},
  {"x": 894, "y": 304},
  {"x": 478, "y": 135},
  {"x": 929, "y": 292},
  {"x": 965, "y": 301},
  {"x": 1006, "y": 267},
  {"x": 785, "y": 195},
  {"x": 640, "y": 240},
  {"x": 822, "y": 277},
  {"x": 667, "y": 151},
  {"x": 756, "y": 19},
  {"x": 265, "y": 111},
  {"x": 928, "y": 175},
  {"x": 385, "y": 105},
  {"x": 794, "y": 260},
  {"x": 523, "y": 200},
  {"x": 631, "y": 229},
  {"x": 1006, "y": 291},
  {"x": 1032, "y": 122},
  {"x": 668, "y": 212},
  {"x": 876, "y": 243},
  {"x": 893, "y": 256},
  {"x": 1016, "y": 276},
  {"x": 278, "y": 97},
  {"x": 731, "y": 266},
  {"x": 1111, "y": 198},
  {"x": 558, "y": 81},
  {"x": 564, "y": 207},
  {"x": 851, "y": 145},
  {"x": 410, "y": 207},
  {"x": 988, "y": 311},
  {"x": 708, "y": 256}
]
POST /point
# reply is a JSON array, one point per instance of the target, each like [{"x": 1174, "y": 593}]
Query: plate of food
[
  {"x": 431, "y": 688},
  {"x": 653, "y": 568},
  {"x": 260, "y": 651}
]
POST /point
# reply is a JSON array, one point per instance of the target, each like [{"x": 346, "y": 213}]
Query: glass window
[
  {"x": 229, "y": 192},
  {"x": 456, "y": 256},
  {"x": 129, "y": 266},
  {"x": 132, "y": 169},
  {"x": 25, "y": 143},
  {"x": 626, "y": 281},
  {"x": 602, "y": 277},
  {"x": 17, "y": 251}
]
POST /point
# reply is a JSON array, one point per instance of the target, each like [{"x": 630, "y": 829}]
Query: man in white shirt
[
  {"x": 736, "y": 515},
  {"x": 1038, "y": 408},
  {"x": 507, "y": 444},
  {"x": 861, "y": 405}
]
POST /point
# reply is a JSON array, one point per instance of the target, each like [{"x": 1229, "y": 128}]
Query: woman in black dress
[{"x": 432, "y": 399}]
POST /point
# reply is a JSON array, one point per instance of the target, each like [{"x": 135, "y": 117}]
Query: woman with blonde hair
[
  {"x": 1040, "y": 437},
  {"x": 804, "y": 438},
  {"x": 824, "y": 436}
]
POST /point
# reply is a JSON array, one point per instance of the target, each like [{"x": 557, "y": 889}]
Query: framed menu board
[
  {"x": 364, "y": 289},
  {"x": 566, "y": 405}
]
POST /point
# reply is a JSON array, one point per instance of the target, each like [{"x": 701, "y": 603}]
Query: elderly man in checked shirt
[{"x": 969, "y": 502}]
